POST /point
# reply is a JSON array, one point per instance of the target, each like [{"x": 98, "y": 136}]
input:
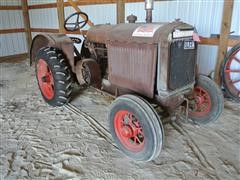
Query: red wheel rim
[
  {"x": 45, "y": 79},
  {"x": 200, "y": 103},
  {"x": 232, "y": 73},
  {"x": 129, "y": 131}
]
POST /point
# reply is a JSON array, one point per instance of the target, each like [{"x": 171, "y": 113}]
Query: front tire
[
  {"x": 54, "y": 76},
  {"x": 206, "y": 103},
  {"x": 136, "y": 128}
]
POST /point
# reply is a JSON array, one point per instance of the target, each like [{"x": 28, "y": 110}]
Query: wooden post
[
  {"x": 26, "y": 23},
  {"x": 120, "y": 11},
  {"x": 74, "y": 5},
  {"x": 61, "y": 17},
  {"x": 223, "y": 43}
]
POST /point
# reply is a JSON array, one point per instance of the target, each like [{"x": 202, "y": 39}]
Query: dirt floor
[{"x": 42, "y": 142}]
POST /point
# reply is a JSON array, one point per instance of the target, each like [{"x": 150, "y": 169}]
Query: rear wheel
[
  {"x": 136, "y": 128},
  {"x": 54, "y": 76},
  {"x": 206, "y": 102},
  {"x": 231, "y": 73}
]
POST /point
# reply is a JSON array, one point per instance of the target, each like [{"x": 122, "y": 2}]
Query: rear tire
[
  {"x": 136, "y": 128},
  {"x": 206, "y": 103},
  {"x": 54, "y": 76},
  {"x": 231, "y": 73}
]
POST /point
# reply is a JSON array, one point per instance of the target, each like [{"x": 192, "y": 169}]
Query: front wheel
[
  {"x": 136, "y": 128},
  {"x": 206, "y": 102}
]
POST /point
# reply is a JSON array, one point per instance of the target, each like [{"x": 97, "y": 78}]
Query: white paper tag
[
  {"x": 147, "y": 30},
  {"x": 181, "y": 34}
]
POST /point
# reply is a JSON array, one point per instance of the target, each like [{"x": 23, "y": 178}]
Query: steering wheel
[{"x": 73, "y": 22}]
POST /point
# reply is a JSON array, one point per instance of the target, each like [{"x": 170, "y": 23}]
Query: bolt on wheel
[
  {"x": 200, "y": 104},
  {"x": 129, "y": 130}
]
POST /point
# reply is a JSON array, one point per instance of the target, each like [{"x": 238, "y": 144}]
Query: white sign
[
  {"x": 179, "y": 34},
  {"x": 147, "y": 30}
]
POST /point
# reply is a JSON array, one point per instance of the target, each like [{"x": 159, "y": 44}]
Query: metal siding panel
[
  {"x": 10, "y": 2},
  {"x": 44, "y": 18},
  {"x": 35, "y": 2},
  {"x": 99, "y": 14},
  {"x": 236, "y": 18},
  {"x": 136, "y": 9},
  {"x": 14, "y": 43},
  {"x": 207, "y": 58}
]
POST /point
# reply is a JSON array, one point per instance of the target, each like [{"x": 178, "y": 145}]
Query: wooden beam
[
  {"x": 120, "y": 11},
  {"x": 75, "y": 6},
  {"x": 214, "y": 41},
  {"x": 81, "y": 3},
  {"x": 26, "y": 20},
  {"x": 10, "y": 7},
  {"x": 46, "y": 30},
  {"x": 14, "y": 58},
  {"x": 10, "y": 31},
  {"x": 43, "y": 6},
  {"x": 61, "y": 16},
  {"x": 84, "y": 32},
  {"x": 223, "y": 43}
]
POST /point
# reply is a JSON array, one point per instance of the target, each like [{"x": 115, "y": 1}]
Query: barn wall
[{"x": 14, "y": 43}]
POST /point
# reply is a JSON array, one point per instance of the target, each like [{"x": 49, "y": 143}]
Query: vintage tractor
[{"x": 138, "y": 63}]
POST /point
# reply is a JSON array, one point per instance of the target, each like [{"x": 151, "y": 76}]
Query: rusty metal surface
[
  {"x": 123, "y": 33},
  {"x": 133, "y": 66},
  {"x": 60, "y": 41},
  {"x": 98, "y": 33},
  {"x": 172, "y": 99},
  {"x": 88, "y": 72}
]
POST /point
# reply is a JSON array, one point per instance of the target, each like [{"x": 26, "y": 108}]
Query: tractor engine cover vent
[{"x": 133, "y": 66}]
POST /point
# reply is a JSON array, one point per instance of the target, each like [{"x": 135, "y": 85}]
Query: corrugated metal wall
[
  {"x": 11, "y": 44},
  {"x": 206, "y": 15}
]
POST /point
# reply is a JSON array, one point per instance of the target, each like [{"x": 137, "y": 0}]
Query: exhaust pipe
[{"x": 149, "y": 8}]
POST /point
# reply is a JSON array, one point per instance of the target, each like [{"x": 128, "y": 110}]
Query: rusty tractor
[{"x": 140, "y": 64}]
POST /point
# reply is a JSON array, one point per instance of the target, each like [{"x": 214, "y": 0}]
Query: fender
[{"x": 60, "y": 41}]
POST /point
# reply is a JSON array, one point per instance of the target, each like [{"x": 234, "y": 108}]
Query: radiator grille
[{"x": 181, "y": 65}]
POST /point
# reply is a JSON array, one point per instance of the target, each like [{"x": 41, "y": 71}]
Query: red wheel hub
[
  {"x": 129, "y": 131},
  {"x": 232, "y": 73},
  {"x": 200, "y": 103},
  {"x": 45, "y": 79}
]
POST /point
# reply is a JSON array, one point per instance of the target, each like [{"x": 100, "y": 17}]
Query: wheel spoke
[
  {"x": 70, "y": 23},
  {"x": 77, "y": 19},
  {"x": 137, "y": 140},
  {"x": 81, "y": 22},
  {"x": 238, "y": 60},
  {"x": 234, "y": 81},
  {"x": 232, "y": 71}
]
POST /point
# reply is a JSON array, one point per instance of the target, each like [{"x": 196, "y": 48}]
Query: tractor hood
[{"x": 151, "y": 33}]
